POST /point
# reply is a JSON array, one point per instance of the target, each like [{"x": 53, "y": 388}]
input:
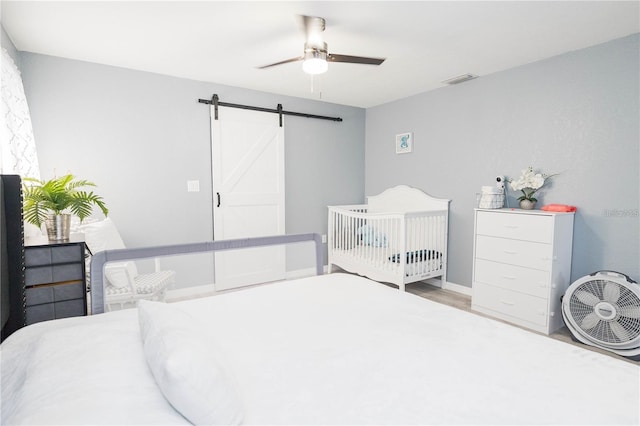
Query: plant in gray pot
[{"x": 53, "y": 202}]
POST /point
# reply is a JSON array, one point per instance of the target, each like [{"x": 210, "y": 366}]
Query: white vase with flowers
[{"x": 529, "y": 183}]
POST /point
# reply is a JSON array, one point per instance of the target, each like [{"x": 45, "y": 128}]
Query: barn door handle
[{"x": 218, "y": 194}]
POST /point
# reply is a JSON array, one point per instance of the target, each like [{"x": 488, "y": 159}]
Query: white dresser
[{"x": 522, "y": 266}]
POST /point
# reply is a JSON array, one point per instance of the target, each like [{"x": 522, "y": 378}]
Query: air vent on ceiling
[{"x": 460, "y": 79}]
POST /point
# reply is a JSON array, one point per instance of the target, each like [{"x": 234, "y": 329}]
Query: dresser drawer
[
  {"x": 511, "y": 303},
  {"x": 517, "y": 278},
  {"x": 515, "y": 252},
  {"x": 537, "y": 228}
]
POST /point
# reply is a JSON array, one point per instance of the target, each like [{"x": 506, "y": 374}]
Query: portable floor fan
[{"x": 603, "y": 310}]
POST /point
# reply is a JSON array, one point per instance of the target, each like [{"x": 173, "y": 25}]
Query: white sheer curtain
[{"x": 17, "y": 146}]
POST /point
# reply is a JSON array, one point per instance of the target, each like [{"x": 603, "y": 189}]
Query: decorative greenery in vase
[
  {"x": 58, "y": 196},
  {"x": 529, "y": 183}
]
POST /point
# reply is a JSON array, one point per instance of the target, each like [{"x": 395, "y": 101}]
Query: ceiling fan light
[{"x": 315, "y": 66}]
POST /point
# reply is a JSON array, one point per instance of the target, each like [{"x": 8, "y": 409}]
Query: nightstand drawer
[
  {"x": 525, "y": 280},
  {"x": 38, "y": 275},
  {"x": 39, "y": 295},
  {"x": 54, "y": 293},
  {"x": 53, "y": 274},
  {"x": 40, "y": 313},
  {"x": 68, "y": 291},
  {"x": 50, "y": 311},
  {"x": 515, "y": 252},
  {"x": 70, "y": 272},
  {"x": 67, "y": 254},
  {"x": 515, "y": 226},
  {"x": 70, "y": 308},
  {"x": 37, "y": 256},
  {"x": 514, "y": 304}
]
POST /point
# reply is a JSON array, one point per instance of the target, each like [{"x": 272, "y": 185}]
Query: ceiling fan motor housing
[
  {"x": 603, "y": 310},
  {"x": 315, "y": 51}
]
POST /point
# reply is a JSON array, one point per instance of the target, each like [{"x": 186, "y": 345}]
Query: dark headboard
[{"x": 12, "y": 296}]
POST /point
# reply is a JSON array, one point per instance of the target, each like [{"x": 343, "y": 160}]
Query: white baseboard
[
  {"x": 447, "y": 285},
  {"x": 458, "y": 288}
]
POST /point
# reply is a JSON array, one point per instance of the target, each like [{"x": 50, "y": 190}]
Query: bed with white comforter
[{"x": 331, "y": 349}]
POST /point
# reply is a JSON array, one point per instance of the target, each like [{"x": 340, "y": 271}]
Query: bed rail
[{"x": 99, "y": 259}]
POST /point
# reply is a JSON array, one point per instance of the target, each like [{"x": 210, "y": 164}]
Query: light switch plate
[{"x": 193, "y": 186}]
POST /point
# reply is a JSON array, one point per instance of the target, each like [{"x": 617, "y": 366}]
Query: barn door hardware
[{"x": 215, "y": 101}]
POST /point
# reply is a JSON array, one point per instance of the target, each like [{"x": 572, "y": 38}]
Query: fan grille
[{"x": 606, "y": 311}]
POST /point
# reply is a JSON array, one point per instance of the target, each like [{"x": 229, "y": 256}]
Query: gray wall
[
  {"x": 140, "y": 136},
  {"x": 576, "y": 114}
]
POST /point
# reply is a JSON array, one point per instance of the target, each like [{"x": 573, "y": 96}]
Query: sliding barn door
[{"x": 248, "y": 194}]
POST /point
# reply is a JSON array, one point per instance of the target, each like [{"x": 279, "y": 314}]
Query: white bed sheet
[
  {"x": 81, "y": 371},
  {"x": 333, "y": 349}
]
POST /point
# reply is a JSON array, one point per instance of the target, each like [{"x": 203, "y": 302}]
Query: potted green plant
[{"x": 53, "y": 202}]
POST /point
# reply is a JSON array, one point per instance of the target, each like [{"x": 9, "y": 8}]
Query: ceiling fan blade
[
  {"x": 333, "y": 57},
  {"x": 299, "y": 58}
]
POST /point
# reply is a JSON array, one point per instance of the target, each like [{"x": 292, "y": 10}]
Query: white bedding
[{"x": 333, "y": 349}]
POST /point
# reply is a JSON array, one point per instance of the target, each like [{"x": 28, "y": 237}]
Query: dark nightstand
[{"x": 55, "y": 281}]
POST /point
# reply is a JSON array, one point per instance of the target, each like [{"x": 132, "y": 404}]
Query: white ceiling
[{"x": 425, "y": 42}]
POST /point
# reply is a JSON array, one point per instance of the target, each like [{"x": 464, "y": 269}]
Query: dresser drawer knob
[
  {"x": 504, "y": 302},
  {"x": 511, "y": 252},
  {"x": 511, "y": 226},
  {"x": 508, "y": 277}
]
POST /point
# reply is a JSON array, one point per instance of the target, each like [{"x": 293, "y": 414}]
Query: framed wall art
[{"x": 404, "y": 143}]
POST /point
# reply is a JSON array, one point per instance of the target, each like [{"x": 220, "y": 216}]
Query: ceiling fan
[{"x": 316, "y": 57}]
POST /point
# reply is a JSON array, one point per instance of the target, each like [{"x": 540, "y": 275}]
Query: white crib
[{"x": 399, "y": 236}]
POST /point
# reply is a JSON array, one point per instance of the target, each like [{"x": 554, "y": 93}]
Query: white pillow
[
  {"x": 187, "y": 368},
  {"x": 102, "y": 235}
]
